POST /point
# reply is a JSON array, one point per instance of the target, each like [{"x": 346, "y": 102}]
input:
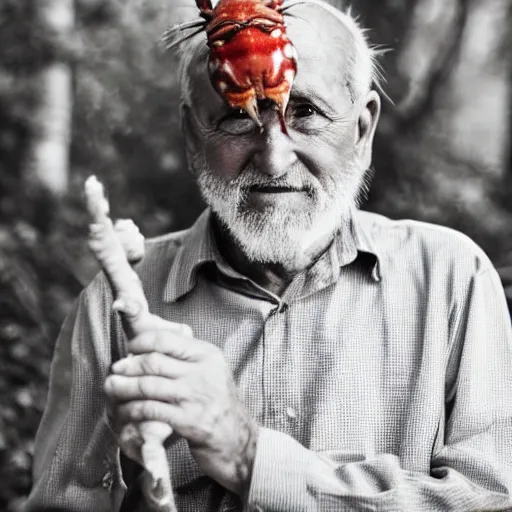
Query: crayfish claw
[
  {"x": 251, "y": 107},
  {"x": 282, "y": 121}
]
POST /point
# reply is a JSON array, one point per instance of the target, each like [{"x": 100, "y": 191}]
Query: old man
[{"x": 340, "y": 360}]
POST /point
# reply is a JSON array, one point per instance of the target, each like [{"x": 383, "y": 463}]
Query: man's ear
[
  {"x": 367, "y": 124},
  {"x": 190, "y": 133}
]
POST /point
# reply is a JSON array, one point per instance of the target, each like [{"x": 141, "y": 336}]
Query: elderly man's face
[{"x": 277, "y": 193}]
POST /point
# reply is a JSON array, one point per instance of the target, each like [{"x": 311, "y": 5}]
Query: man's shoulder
[{"x": 408, "y": 239}]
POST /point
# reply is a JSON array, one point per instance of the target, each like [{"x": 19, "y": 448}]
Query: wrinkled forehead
[{"x": 325, "y": 48}]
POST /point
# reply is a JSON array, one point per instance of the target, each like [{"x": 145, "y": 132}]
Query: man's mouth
[{"x": 269, "y": 189}]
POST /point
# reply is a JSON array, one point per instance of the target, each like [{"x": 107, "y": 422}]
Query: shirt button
[{"x": 291, "y": 413}]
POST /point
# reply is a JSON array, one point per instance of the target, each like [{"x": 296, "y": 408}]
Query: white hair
[{"x": 363, "y": 71}]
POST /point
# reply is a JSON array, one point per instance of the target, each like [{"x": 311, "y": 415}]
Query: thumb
[
  {"x": 155, "y": 322},
  {"x": 146, "y": 321}
]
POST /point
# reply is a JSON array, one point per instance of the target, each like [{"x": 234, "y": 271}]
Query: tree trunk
[
  {"x": 460, "y": 78},
  {"x": 442, "y": 150},
  {"x": 49, "y": 154}
]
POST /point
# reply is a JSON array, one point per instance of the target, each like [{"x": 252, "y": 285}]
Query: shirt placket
[{"x": 280, "y": 408}]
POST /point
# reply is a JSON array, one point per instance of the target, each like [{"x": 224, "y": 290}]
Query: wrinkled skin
[{"x": 185, "y": 381}]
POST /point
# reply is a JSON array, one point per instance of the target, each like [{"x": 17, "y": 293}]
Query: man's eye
[
  {"x": 304, "y": 110},
  {"x": 305, "y": 117},
  {"x": 238, "y": 114},
  {"x": 237, "y": 122}
]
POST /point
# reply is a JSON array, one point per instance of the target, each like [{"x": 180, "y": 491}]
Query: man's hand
[{"x": 186, "y": 383}]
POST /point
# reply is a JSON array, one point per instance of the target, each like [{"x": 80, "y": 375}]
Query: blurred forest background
[{"x": 86, "y": 88}]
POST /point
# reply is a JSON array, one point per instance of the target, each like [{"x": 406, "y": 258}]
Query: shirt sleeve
[
  {"x": 471, "y": 466},
  {"x": 76, "y": 463}
]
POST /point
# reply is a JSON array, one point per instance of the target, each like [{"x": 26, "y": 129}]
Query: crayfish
[{"x": 251, "y": 57}]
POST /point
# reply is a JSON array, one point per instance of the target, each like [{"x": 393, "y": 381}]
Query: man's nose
[{"x": 276, "y": 151}]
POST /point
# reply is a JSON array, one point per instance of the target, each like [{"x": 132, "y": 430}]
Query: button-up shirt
[{"x": 381, "y": 379}]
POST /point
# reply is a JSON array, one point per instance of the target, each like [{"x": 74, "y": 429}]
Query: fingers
[
  {"x": 149, "y": 410},
  {"x": 146, "y": 321},
  {"x": 154, "y": 322},
  {"x": 150, "y": 364},
  {"x": 186, "y": 422},
  {"x": 183, "y": 329},
  {"x": 172, "y": 344},
  {"x": 123, "y": 389}
]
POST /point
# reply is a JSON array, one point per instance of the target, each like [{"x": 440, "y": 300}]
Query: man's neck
[{"x": 274, "y": 277}]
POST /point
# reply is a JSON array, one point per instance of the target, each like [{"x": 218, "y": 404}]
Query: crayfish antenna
[
  {"x": 183, "y": 26},
  {"x": 170, "y": 44},
  {"x": 284, "y": 8}
]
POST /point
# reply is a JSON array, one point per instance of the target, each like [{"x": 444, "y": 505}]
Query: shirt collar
[
  {"x": 199, "y": 247},
  {"x": 362, "y": 230}
]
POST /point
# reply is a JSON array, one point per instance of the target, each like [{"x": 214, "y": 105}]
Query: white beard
[{"x": 283, "y": 234}]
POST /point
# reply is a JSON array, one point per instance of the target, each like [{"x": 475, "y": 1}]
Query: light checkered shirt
[{"x": 382, "y": 378}]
